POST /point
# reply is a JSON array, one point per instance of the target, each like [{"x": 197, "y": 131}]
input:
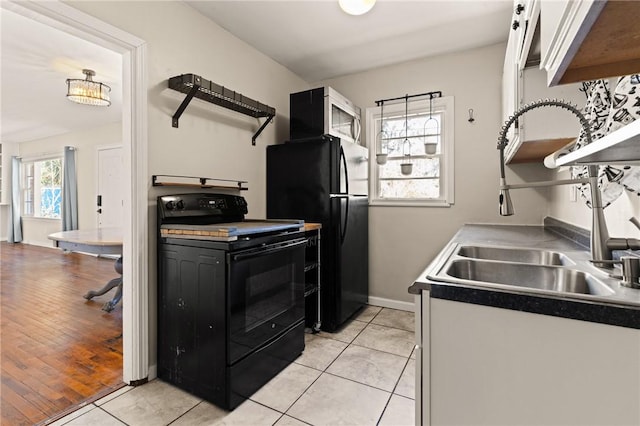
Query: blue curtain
[
  {"x": 69, "y": 190},
  {"x": 15, "y": 220}
]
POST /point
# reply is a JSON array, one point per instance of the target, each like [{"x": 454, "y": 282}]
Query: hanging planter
[
  {"x": 407, "y": 166},
  {"x": 381, "y": 148},
  {"x": 431, "y": 132},
  {"x": 382, "y": 155}
]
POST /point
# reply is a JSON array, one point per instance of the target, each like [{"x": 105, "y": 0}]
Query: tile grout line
[
  {"x": 354, "y": 381},
  {"x": 113, "y": 415},
  {"x": 400, "y": 378},
  {"x": 183, "y": 414},
  {"x": 325, "y": 371}
]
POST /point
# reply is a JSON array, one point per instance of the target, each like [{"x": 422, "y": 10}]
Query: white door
[{"x": 109, "y": 201}]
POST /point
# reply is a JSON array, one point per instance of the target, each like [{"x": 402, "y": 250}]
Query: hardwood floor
[{"x": 57, "y": 349}]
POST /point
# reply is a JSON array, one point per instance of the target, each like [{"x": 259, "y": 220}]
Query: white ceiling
[
  {"x": 36, "y": 61},
  {"x": 317, "y": 41},
  {"x": 314, "y": 39}
]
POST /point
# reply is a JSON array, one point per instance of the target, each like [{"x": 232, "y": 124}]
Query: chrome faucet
[{"x": 602, "y": 245}]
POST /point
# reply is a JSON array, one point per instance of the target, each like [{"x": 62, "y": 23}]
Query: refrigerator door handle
[
  {"x": 337, "y": 208},
  {"x": 343, "y": 233},
  {"x": 343, "y": 158}
]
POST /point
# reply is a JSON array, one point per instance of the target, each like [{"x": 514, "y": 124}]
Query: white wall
[
  {"x": 577, "y": 213},
  {"x": 86, "y": 142},
  {"x": 403, "y": 240},
  {"x": 211, "y": 141}
]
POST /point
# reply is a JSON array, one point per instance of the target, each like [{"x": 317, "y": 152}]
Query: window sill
[
  {"x": 40, "y": 218},
  {"x": 409, "y": 203}
]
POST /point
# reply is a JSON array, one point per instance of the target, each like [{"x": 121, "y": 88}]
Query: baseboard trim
[
  {"x": 153, "y": 371},
  {"x": 390, "y": 303}
]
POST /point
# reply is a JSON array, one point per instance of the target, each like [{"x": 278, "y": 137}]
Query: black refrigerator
[{"x": 325, "y": 180}]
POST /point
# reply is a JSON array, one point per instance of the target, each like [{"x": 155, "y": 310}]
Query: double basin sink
[{"x": 531, "y": 270}]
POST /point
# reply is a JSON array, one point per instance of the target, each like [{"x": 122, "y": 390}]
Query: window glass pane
[
  {"x": 410, "y": 188},
  {"x": 422, "y": 167},
  {"x": 421, "y": 128},
  {"x": 50, "y": 188},
  {"x": 420, "y": 139},
  {"x": 42, "y": 191},
  {"x": 50, "y": 202}
]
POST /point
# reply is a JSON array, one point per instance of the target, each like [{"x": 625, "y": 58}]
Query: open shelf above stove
[
  {"x": 196, "y": 86},
  {"x": 198, "y": 182}
]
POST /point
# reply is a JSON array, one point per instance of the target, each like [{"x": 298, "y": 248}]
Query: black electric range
[{"x": 230, "y": 296}]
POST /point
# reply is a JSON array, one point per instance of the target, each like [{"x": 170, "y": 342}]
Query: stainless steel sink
[
  {"x": 549, "y": 278},
  {"x": 533, "y": 256}
]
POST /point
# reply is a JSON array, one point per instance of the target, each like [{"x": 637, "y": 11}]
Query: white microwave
[{"x": 323, "y": 111}]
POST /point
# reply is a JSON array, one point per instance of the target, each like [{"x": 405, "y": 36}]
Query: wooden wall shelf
[
  {"x": 535, "y": 151},
  {"x": 611, "y": 47},
  {"x": 198, "y": 182},
  {"x": 196, "y": 86}
]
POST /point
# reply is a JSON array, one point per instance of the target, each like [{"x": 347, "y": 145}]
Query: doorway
[{"x": 135, "y": 307}]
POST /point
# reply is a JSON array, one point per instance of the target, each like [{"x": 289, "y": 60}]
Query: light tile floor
[{"x": 362, "y": 375}]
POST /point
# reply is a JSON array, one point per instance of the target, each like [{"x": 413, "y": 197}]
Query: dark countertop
[{"x": 622, "y": 308}]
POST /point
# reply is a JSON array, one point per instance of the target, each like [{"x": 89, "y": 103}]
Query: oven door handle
[{"x": 267, "y": 250}]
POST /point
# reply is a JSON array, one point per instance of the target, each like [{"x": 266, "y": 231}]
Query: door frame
[
  {"x": 135, "y": 300},
  {"x": 99, "y": 149}
]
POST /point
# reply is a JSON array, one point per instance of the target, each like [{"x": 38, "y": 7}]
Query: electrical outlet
[{"x": 573, "y": 193}]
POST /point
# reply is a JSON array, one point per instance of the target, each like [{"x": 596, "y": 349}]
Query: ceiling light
[
  {"x": 87, "y": 91},
  {"x": 356, "y": 7}
]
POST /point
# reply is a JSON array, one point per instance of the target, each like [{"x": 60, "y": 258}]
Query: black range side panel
[{"x": 192, "y": 324}]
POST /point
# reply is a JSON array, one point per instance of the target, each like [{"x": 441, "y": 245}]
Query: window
[
  {"x": 42, "y": 188},
  {"x": 430, "y": 182}
]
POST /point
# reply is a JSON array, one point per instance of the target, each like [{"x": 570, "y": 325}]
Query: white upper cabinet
[
  {"x": 585, "y": 40},
  {"x": 540, "y": 132}
]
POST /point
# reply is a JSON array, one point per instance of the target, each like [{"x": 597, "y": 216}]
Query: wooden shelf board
[
  {"x": 196, "y": 185},
  {"x": 612, "y": 46},
  {"x": 197, "y": 182},
  {"x": 535, "y": 151},
  {"x": 619, "y": 147}
]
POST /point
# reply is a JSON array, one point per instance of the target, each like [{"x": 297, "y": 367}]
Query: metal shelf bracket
[{"x": 195, "y": 86}]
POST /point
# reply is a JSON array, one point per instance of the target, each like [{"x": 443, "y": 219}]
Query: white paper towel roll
[{"x": 550, "y": 160}]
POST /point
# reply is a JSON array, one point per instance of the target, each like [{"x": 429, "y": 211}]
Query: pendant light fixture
[
  {"x": 356, "y": 7},
  {"x": 407, "y": 167},
  {"x": 87, "y": 91}
]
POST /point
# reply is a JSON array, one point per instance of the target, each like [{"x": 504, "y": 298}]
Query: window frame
[
  {"x": 24, "y": 189},
  {"x": 442, "y": 105}
]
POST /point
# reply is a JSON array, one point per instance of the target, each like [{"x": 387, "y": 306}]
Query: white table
[{"x": 96, "y": 241}]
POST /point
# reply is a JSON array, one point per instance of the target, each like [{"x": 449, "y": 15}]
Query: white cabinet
[
  {"x": 511, "y": 89},
  {"x": 587, "y": 40},
  {"x": 545, "y": 130},
  {"x": 487, "y": 366}
]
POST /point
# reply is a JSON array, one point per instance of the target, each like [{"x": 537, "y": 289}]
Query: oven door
[{"x": 266, "y": 294}]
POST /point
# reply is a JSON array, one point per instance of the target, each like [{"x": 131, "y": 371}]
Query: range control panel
[{"x": 215, "y": 207}]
